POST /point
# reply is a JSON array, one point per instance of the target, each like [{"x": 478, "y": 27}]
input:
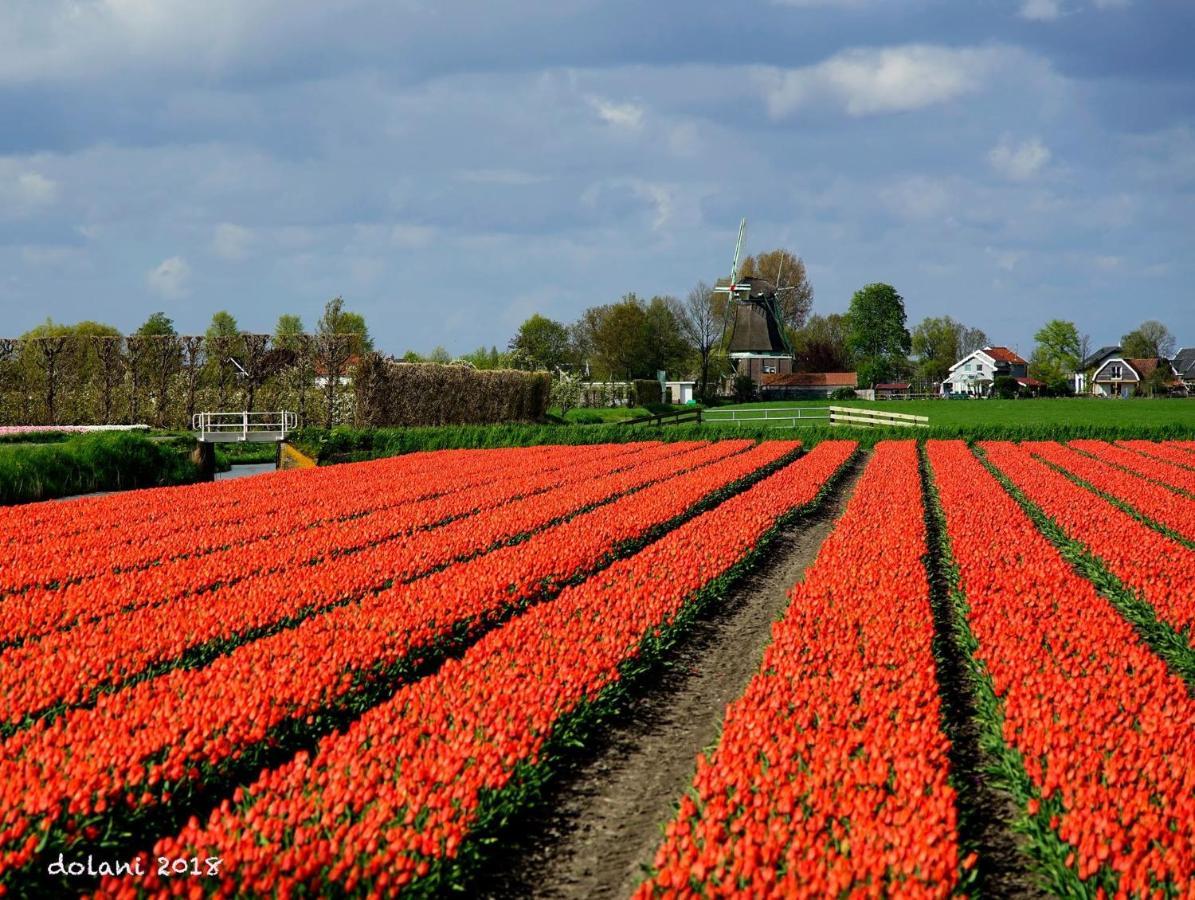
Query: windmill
[{"x": 752, "y": 327}]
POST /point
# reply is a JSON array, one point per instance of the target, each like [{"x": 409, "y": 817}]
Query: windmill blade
[{"x": 738, "y": 252}]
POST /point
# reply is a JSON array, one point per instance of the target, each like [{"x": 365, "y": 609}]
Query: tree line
[{"x": 89, "y": 373}]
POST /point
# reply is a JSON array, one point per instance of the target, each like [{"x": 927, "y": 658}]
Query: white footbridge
[{"x": 240, "y": 427}]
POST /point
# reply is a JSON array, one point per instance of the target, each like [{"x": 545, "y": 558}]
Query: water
[{"x": 244, "y": 470}]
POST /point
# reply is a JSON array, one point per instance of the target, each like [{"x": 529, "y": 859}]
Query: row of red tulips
[
  {"x": 1160, "y": 570},
  {"x": 1103, "y": 733},
  {"x": 267, "y": 510},
  {"x": 398, "y": 795},
  {"x": 831, "y": 774},
  {"x": 1160, "y": 504},
  {"x": 139, "y": 745},
  {"x": 1162, "y": 462},
  {"x": 68, "y": 666},
  {"x": 38, "y": 611}
]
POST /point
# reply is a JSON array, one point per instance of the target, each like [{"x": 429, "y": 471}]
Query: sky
[{"x": 450, "y": 168}]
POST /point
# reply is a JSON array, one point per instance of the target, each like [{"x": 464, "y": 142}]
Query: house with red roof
[{"x": 975, "y": 373}]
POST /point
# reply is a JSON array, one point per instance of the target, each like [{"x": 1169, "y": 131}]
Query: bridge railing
[{"x": 224, "y": 427}]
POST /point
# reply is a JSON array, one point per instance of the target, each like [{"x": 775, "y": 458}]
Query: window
[
  {"x": 769, "y": 370},
  {"x": 1114, "y": 370}
]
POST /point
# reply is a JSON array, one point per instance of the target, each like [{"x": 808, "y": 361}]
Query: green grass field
[{"x": 988, "y": 413}]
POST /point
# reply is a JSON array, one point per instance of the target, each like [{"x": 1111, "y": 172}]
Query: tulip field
[{"x": 364, "y": 679}]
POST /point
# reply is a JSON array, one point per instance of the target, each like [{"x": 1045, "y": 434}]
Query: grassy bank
[
  {"x": 983, "y": 414},
  {"x": 92, "y": 462},
  {"x": 350, "y": 444}
]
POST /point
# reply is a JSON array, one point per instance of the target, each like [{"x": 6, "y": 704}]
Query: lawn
[{"x": 981, "y": 413}]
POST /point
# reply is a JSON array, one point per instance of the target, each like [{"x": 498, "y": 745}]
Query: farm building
[
  {"x": 891, "y": 389},
  {"x": 807, "y": 385},
  {"x": 975, "y": 373}
]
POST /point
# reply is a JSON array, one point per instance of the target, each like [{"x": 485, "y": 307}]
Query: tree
[
  {"x": 939, "y": 342},
  {"x": 876, "y": 333},
  {"x": 700, "y": 326},
  {"x": 785, "y": 272},
  {"x": 542, "y": 343},
  {"x": 1057, "y": 352},
  {"x": 1150, "y": 339},
  {"x": 439, "y": 356},
  {"x": 222, "y": 337},
  {"x": 632, "y": 339},
  {"x": 667, "y": 349},
  {"x": 156, "y": 325},
  {"x": 334, "y": 347},
  {"x": 566, "y": 392},
  {"x": 287, "y": 332},
  {"x": 481, "y": 358},
  {"x": 821, "y": 345}
]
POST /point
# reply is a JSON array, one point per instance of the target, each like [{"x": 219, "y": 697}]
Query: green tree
[
  {"x": 667, "y": 349},
  {"x": 785, "y": 272},
  {"x": 354, "y": 324},
  {"x": 439, "y": 356},
  {"x": 1148, "y": 340},
  {"x": 157, "y": 325},
  {"x": 288, "y": 332},
  {"x": 542, "y": 343},
  {"x": 876, "y": 334},
  {"x": 1056, "y": 353},
  {"x": 941, "y": 342},
  {"x": 632, "y": 338},
  {"x": 223, "y": 324}
]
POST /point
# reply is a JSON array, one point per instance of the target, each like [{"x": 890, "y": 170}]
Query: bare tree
[
  {"x": 140, "y": 349},
  {"x": 333, "y": 350},
  {"x": 193, "y": 362},
  {"x": 699, "y": 324},
  {"x": 112, "y": 365},
  {"x": 49, "y": 357}
]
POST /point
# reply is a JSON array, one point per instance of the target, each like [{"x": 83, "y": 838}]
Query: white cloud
[
  {"x": 1041, "y": 10},
  {"x": 1107, "y": 263},
  {"x": 1019, "y": 162},
  {"x": 658, "y": 196},
  {"x": 22, "y": 193},
  {"x": 883, "y": 80},
  {"x": 412, "y": 236},
  {"x": 169, "y": 279},
  {"x": 1111, "y": 4},
  {"x": 232, "y": 242},
  {"x": 627, "y": 116}
]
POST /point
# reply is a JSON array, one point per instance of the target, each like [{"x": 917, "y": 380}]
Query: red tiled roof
[
  {"x": 1146, "y": 367},
  {"x": 1003, "y": 354},
  {"x": 319, "y": 366},
  {"x": 813, "y": 379},
  {"x": 1031, "y": 382}
]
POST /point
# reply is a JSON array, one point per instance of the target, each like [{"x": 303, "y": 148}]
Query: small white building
[
  {"x": 680, "y": 392},
  {"x": 974, "y": 374}
]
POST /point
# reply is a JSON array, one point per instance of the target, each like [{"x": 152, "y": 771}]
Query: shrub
[
  {"x": 1005, "y": 387},
  {"x": 646, "y": 391},
  {"x": 744, "y": 389},
  {"x": 843, "y": 394}
]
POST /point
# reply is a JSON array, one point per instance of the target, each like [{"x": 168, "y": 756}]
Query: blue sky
[{"x": 450, "y": 168}]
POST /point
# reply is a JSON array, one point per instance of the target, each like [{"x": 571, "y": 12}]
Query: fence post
[{"x": 245, "y": 425}]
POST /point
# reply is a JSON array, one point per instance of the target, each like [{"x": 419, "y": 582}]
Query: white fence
[
  {"x": 810, "y": 416},
  {"x": 227, "y": 427}
]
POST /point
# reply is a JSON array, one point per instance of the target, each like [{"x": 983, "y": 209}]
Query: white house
[{"x": 974, "y": 373}]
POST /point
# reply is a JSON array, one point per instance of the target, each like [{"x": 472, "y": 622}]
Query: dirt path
[{"x": 601, "y": 820}]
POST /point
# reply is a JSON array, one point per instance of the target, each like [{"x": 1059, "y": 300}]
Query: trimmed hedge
[
  {"x": 647, "y": 391},
  {"x": 410, "y": 394},
  {"x": 92, "y": 462}
]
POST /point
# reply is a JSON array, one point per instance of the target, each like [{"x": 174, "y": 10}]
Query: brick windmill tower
[{"x": 752, "y": 329}]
